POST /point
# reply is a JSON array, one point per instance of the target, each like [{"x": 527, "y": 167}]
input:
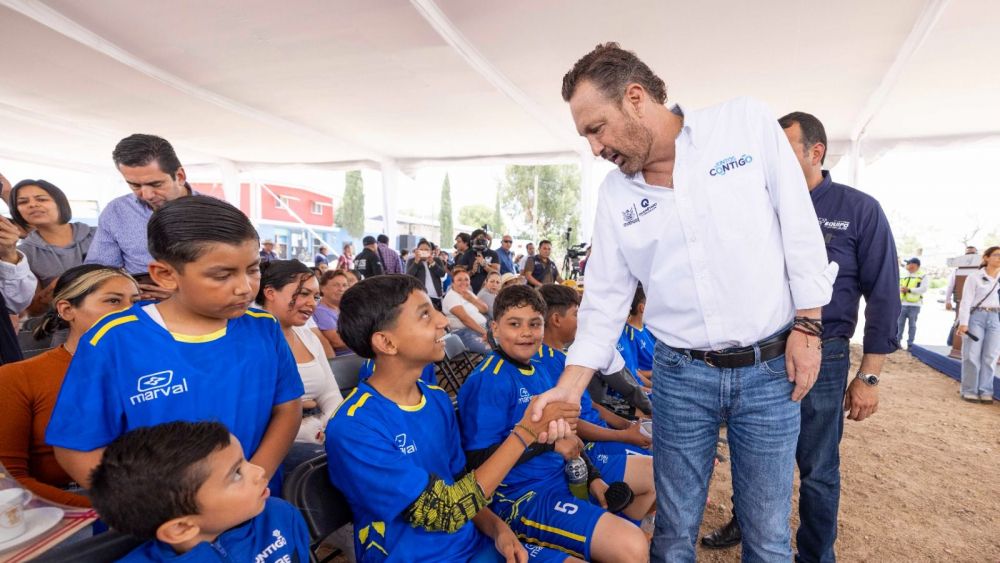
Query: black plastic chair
[
  {"x": 324, "y": 507},
  {"x": 103, "y": 548},
  {"x": 345, "y": 370}
]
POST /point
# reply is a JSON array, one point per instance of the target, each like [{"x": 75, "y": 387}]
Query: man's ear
[
  {"x": 555, "y": 321},
  {"x": 181, "y": 175},
  {"x": 164, "y": 274},
  {"x": 382, "y": 344},
  {"x": 177, "y": 531},
  {"x": 635, "y": 97}
]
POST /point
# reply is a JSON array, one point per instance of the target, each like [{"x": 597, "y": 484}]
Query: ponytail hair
[
  {"x": 74, "y": 285},
  {"x": 279, "y": 273},
  {"x": 989, "y": 252}
]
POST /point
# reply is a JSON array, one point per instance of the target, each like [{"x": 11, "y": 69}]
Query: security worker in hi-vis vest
[{"x": 912, "y": 287}]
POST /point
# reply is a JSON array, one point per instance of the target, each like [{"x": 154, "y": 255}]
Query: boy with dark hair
[
  {"x": 397, "y": 447},
  {"x": 199, "y": 355},
  {"x": 534, "y": 497},
  {"x": 186, "y": 487},
  {"x": 634, "y": 344}
]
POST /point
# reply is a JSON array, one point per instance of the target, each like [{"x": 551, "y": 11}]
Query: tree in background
[
  {"x": 446, "y": 218},
  {"x": 475, "y": 216},
  {"x": 352, "y": 210},
  {"x": 497, "y": 222},
  {"x": 546, "y": 199}
]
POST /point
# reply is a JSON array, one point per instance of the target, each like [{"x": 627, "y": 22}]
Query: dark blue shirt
[
  {"x": 858, "y": 238},
  {"x": 506, "y": 260}
]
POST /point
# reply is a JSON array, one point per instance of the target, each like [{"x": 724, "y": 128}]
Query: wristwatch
[{"x": 868, "y": 378}]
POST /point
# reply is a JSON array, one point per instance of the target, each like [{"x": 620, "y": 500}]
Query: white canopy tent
[{"x": 397, "y": 85}]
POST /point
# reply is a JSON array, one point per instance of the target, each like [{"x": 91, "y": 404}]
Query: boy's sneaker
[
  {"x": 987, "y": 399},
  {"x": 970, "y": 397}
]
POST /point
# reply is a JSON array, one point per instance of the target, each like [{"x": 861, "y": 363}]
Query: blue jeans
[
  {"x": 979, "y": 359},
  {"x": 473, "y": 342},
  {"x": 818, "y": 455},
  {"x": 907, "y": 313},
  {"x": 691, "y": 401}
]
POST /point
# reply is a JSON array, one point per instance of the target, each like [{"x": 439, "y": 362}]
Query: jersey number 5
[{"x": 567, "y": 507}]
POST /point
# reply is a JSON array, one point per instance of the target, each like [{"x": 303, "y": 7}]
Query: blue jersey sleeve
[
  {"x": 364, "y": 460},
  {"x": 644, "y": 349},
  {"x": 485, "y": 407},
  {"x": 88, "y": 413},
  {"x": 289, "y": 384}
]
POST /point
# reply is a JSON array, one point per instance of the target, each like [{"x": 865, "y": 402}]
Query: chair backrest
[
  {"x": 453, "y": 346},
  {"x": 109, "y": 546},
  {"x": 345, "y": 369},
  {"x": 324, "y": 507}
]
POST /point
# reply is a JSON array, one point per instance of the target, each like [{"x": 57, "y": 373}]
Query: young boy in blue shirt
[
  {"x": 186, "y": 487},
  {"x": 199, "y": 355},
  {"x": 617, "y": 446},
  {"x": 394, "y": 445},
  {"x": 534, "y": 498}
]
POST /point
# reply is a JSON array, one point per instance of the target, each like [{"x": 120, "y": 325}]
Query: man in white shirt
[{"x": 709, "y": 210}]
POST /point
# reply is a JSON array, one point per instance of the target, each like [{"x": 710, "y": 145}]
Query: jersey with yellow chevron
[
  {"x": 129, "y": 371},
  {"x": 385, "y": 456}
]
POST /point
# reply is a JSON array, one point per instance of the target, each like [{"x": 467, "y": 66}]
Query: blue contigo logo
[{"x": 731, "y": 163}]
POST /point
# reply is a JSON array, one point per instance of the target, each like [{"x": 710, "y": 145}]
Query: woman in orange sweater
[{"x": 28, "y": 389}]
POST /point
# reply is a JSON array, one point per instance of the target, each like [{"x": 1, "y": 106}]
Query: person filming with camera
[{"x": 479, "y": 259}]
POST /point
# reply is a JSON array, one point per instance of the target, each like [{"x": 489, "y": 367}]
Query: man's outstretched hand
[{"x": 562, "y": 427}]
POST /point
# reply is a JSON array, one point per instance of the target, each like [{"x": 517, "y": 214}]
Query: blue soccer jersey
[
  {"x": 129, "y": 371},
  {"x": 534, "y": 497},
  {"x": 382, "y": 456},
  {"x": 490, "y": 403},
  {"x": 628, "y": 349},
  {"x": 644, "y": 342},
  {"x": 276, "y": 535},
  {"x": 428, "y": 376},
  {"x": 554, "y": 362}
]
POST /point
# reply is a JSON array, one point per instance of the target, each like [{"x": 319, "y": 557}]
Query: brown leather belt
[{"x": 770, "y": 349}]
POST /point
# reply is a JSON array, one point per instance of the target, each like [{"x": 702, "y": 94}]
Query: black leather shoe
[{"x": 725, "y": 537}]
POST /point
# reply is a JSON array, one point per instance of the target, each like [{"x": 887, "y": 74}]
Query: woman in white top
[
  {"x": 289, "y": 291},
  {"x": 979, "y": 316},
  {"x": 466, "y": 312}
]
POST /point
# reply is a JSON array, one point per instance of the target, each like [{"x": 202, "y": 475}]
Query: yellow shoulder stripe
[
  {"x": 261, "y": 315},
  {"x": 111, "y": 324},
  {"x": 361, "y": 402},
  {"x": 496, "y": 369},
  {"x": 344, "y": 402},
  {"x": 487, "y": 364}
]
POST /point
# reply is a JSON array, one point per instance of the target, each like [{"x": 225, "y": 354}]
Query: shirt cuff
[
  {"x": 809, "y": 292},
  {"x": 17, "y": 271},
  {"x": 592, "y": 355}
]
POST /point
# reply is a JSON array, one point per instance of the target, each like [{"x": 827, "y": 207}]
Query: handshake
[{"x": 558, "y": 420}]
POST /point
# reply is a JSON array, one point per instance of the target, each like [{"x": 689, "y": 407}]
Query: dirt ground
[{"x": 920, "y": 479}]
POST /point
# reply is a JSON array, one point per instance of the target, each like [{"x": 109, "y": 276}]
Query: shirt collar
[{"x": 823, "y": 186}]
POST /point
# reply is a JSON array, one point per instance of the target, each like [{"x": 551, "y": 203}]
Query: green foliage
[
  {"x": 352, "y": 209},
  {"x": 558, "y": 197},
  {"x": 907, "y": 246},
  {"x": 475, "y": 215},
  {"x": 497, "y": 222},
  {"x": 446, "y": 218}
]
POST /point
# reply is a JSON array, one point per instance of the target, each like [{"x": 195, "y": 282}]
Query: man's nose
[{"x": 595, "y": 147}]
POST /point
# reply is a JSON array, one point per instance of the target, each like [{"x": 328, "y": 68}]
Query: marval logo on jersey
[
  {"x": 403, "y": 446},
  {"x": 525, "y": 397},
  {"x": 156, "y": 385}
]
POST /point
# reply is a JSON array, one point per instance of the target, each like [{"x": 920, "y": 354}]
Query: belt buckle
[{"x": 708, "y": 360}]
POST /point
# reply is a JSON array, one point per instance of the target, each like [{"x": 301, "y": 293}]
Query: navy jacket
[{"x": 859, "y": 239}]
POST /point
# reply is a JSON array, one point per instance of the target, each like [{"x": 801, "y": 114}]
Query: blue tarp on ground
[{"x": 948, "y": 366}]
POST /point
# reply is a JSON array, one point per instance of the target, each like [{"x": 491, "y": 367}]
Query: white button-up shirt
[{"x": 726, "y": 257}]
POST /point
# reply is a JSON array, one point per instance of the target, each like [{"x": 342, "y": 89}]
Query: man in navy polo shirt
[{"x": 857, "y": 238}]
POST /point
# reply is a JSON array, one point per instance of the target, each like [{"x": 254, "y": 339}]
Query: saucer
[{"x": 39, "y": 521}]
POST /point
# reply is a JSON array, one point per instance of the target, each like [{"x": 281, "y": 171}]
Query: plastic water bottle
[{"x": 576, "y": 474}]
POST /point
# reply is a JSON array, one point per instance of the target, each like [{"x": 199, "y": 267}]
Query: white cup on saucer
[{"x": 12, "y": 522}]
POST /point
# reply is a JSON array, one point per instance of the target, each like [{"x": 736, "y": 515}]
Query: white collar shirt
[{"x": 726, "y": 257}]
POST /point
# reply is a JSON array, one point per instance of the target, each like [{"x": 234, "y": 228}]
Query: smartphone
[{"x": 424, "y": 253}]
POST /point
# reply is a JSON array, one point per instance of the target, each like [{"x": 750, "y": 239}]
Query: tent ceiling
[{"x": 320, "y": 81}]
